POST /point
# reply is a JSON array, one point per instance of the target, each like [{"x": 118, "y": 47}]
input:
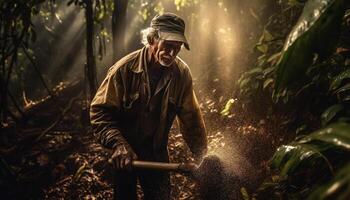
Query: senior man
[{"x": 137, "y": 102}]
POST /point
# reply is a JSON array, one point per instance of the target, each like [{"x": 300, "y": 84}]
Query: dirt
[{"x": 69, "y": 164}]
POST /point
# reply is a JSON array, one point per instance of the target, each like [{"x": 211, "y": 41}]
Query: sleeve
[
  {"x": 191, "y": 121},
  {"x": 105, "y": 110}
]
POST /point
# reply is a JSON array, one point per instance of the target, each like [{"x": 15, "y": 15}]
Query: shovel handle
[
  {"x": 161, "y": 166},
  {"x": 138, "y": 164}
]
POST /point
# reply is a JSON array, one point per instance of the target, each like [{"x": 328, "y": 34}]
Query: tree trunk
[
  {"x": 3, "y": 89},
  {"x": 90, "y": 67},
  {"x": 118, "y": 28}
]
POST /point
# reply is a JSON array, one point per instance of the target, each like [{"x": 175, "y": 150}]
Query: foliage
[
  {"x": 183, "y": 3},
  {"x": 321, "y": 78},
  {"x": 315, "y": 158},
  {"x": 260, "y": 79},
  {"x": 319, "y": 20},
  {"x": 310, "y": 69},
  {"x": 102, "y": 11},
  {"x": 17, "y": 31},
  {"x": 337, "y": 188},
  {"x": 18, "y": 35},
  {"x": 228, "y": 107}
]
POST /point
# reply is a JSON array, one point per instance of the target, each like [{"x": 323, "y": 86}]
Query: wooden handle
[
  {"x": 161, "y": 166},
  {"x": 138, "y": 164}
]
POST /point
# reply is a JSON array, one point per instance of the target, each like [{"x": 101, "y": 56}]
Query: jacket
[{"x": 123, "y": 101}]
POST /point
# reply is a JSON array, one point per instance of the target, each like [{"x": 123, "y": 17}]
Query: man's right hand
[{"x": 122, "y": 157}]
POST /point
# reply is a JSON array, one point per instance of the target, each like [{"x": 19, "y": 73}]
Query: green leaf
[
  {"x": 275, "y": 57},
  {"x": 338, "y": 79},
  {"x": 343, "y": 93},
  {"x": 344, "y": 88},
  {"x": 289, "y": 158},
  {"x": 243, "y": 82},
  {"x": 254, "y": 71},
  {"x": 267, "y": 82},
  {"x": 309, "y": 150},
  {"x": 263, "y": 48},
  {"x": 330, "y": 113},
  {"x": 336, "y": 134},
  {"x": 316, "y": 31},
  {"x": 228, "y": 106},
  {"x": 337, "y": 188},
  {"x": 301, "y": 129},
  {"x": 268, "y": 70},
  {"x": 267, "y": 36}
]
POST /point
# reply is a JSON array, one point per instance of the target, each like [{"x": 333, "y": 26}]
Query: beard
[{"x": 166, "y": 62}]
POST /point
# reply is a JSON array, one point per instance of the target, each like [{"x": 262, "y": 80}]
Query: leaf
[
  {"x": 344, "y": 88},
  {"x": 336, "y": 134},
  {"x": 267, "y": 82},
  {"x": 228, "y": 106},
  {"x": 288, "y": 158},
  {"x": 274, "y": 58},
  {"x": 254, "y": 71},
  {"x": 316, "y": 31},
  {"x": 244, "y": 193},
  {"x": 268, "y": 70},
  {"x": 301, "y": 129},
  {"x": 330, "y": 113},
  {"x": 267, "y": 36},
  {"x": 262, "y": 60},
  {"x": 243, "y": 82},
  {"x": 246, "y": 78},
  {"x": 82, "y": 169},
  {"x": 337, "y": 188},
  {"x": 294, "y": 2},
  {"x": 309, "y": 150},
  {"x": 263, "y": 48},
  {"x": 339, "y": 78}
]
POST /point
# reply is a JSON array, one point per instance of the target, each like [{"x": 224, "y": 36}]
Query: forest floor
[{"x": 67, "y": 163}]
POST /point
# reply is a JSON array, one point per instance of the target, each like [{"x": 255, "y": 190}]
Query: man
[{"x": 136, "y": 104}]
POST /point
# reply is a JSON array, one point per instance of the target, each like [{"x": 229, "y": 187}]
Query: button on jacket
[{"x": 125, "y": 110}]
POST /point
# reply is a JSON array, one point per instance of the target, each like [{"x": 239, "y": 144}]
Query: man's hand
[{"x": 122, "y": 157}]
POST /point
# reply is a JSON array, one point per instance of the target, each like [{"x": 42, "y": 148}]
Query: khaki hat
[{"x": 170, "y": 27}]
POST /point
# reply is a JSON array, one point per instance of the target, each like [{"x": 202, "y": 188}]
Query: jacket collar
[{"x": 140, "y": 63}]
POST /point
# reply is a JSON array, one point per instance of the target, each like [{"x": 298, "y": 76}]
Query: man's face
[{"x": 165, "y": 51}]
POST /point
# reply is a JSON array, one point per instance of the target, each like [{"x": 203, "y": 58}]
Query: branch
[
  {"x": 36, "y": 69},
  {"x": 64, "y": 112},
  {"x": 15, "y": 103}
]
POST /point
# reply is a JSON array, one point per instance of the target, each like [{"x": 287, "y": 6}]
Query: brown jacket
[{"x": 124, "y": 99}]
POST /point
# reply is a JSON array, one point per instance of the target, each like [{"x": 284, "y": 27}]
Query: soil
[{"x": 68, "y": 163}]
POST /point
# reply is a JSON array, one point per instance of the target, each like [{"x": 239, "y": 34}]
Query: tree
[
  {"x": 118, "y": 27},
  {"x": 90, "y": 66},
  {"x": 16, "y": 32}
]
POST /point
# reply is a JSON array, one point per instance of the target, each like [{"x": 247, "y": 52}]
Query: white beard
[{"x": 165, "y": 64}]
